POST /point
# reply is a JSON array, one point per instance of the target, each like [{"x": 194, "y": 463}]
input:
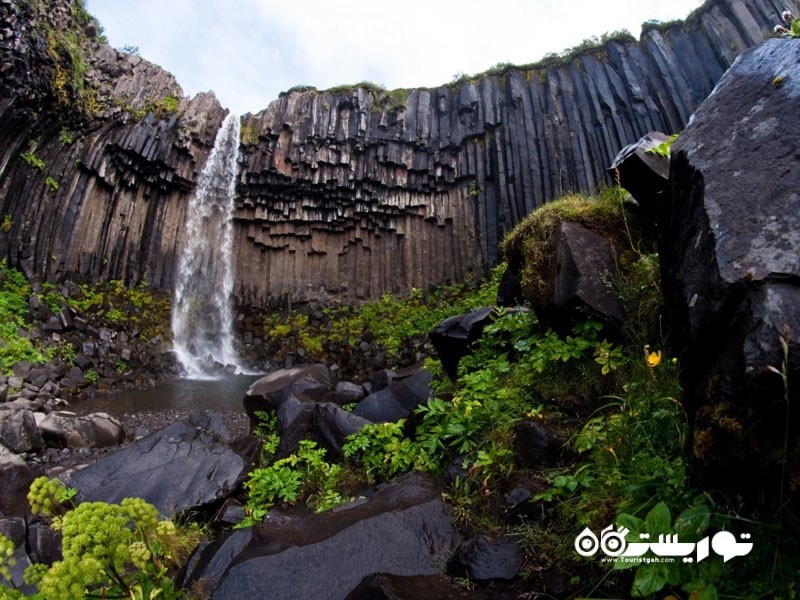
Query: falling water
[{"x": 202, "y": 315}]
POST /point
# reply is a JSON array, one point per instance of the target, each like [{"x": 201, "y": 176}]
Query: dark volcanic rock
[
  {"x": 485, "y": 559},
  {"x": 18, "y": 431},
  {"x": 347, "y": 192},
  {"x": 333, "y": 424},
  {"x": 645, "y": 174},
  {"x": 183, "y": 466},
  {"x": 581, "y": 285},
  {"x": 453, "y": 337},
  {"x": 67, "y": 430},
  {"x": 307, "y": 382},
  {"x": 534, "y": 444},
  {"x": 403, "y": 529},
  {"x": 729, "y": 252},
  {"x": 295, "y": 423},
  {"x": 394, "y": 587},
  {"x": 396, "y": 401},
  {"x": 15, "y": 480}
]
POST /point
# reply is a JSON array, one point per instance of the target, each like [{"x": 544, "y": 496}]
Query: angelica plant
[{"x": 109, "y": 550}]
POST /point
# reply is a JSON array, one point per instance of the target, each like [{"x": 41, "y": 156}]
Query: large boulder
[
  {"x": 645, "y": 174},
  {"x": 581, "y": 284},
  {"x": 15, "y": 480},
  {"x": 730, "y": 256},
  {"x": 483, "y": 558},
  {"x": 332, "y": 425},
  {"x": 453, "y": 337},
  {"x": 183, "y": 466},
  {"x": 403, "y": 529},
  {"x": 65, "y": 429},
  {"x": 397, "y": 401},
  {"x": 18, "y": 431},
  {"x": 305, "y": 383}
]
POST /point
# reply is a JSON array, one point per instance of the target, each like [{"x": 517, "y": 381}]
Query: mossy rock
[
  {"x": 530, "y": 243},
  {"x": 531, "y": 254}
]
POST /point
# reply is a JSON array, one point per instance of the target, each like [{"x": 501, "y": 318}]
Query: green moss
[
  {"x": 248, "y": 135},
  {"x": 162, "y": 107}
]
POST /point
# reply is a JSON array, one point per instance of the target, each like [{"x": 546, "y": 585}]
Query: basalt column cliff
[{"x": 348, "y": 192}]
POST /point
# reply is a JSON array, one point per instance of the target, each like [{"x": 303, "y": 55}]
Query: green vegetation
[
  {"x": 248, "y": 135},
  {"x": 394, "y": 322},
  {"x": 66, "y": 137},
  {"x": 65, "y": 48},
  {"x": 663, "y": 149},
  {"x": 791, "y": 23},
  {"x": 109, "y": 550},
  {"x": 14, "y": 294},
  {"x": 392, "y": 100},
  {"x": 161, "y": 107},
  {"x": 531, "y": 238},
  {"x": 51, "y": 184},
  {"x": 594, "y": 45},
  {"x": 615, "y": 400},
  {"x": 109, "y": 304},
  {"x": 140, "y": 307},
  {"x": 33, "y": 161}
]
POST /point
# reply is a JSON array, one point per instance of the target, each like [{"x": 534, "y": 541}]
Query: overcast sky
[{"x": 248, "y": 51}]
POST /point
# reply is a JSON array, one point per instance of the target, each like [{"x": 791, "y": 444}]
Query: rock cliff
[{"x": 347, "y": 192}]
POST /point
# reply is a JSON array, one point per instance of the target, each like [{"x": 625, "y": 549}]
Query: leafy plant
[
  {"x": 790, "y": 28},
  {"x": 303, "y": 474},
  {"x": 383, "y": 451},
  {"x": 664, "y": 148},
  {"x": 51, "y": 183},
  {"x": 66, "y": 137},
  {"x": 108, "y": 550}
]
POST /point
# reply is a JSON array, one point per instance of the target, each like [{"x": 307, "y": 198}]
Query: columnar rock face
[
  {"x": 730, "y": 259},
  {"x": 347, "y": 193},
  {"x": 95, "y": 175}
]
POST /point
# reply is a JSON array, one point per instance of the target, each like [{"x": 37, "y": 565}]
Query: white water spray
[{"x": 202, "y": 313}]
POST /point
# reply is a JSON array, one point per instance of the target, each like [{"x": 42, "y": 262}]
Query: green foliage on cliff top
[
  {"x": 390, "y": 99},
  {"x": 594, "y": 44}
]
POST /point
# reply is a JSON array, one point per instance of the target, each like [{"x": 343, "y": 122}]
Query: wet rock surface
[
  {"x": 185, "y": 466},
  {"x": 403, "y": 529}
]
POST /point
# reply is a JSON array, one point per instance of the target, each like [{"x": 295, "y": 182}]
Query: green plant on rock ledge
[
  {"x": 33, "y": 161},
  {"x": 302, "y": 475}
]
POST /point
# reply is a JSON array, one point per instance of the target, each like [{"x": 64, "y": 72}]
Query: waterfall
[{"x": 202, "y": 313}]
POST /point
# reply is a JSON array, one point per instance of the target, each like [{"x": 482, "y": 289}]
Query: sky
[{"x": 248, "y": 51}]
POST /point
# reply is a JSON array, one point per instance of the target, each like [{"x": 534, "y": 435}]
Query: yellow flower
[{"x": 654, "y": 359}]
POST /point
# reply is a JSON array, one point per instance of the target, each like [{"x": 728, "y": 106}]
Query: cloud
[{"x": 250, "y": 51}]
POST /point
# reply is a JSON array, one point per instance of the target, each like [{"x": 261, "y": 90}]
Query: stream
[{"x": 179, "y": 395}]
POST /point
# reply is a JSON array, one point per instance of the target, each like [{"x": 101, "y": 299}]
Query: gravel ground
[{"x": 137, "y": 425}]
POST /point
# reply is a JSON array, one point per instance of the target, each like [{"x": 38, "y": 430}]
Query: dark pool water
[{"x": 182, "y": 395}]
